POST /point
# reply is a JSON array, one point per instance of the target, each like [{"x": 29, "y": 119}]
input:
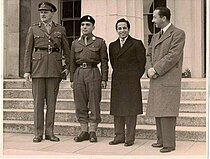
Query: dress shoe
[
  {"x": 82, "y": 137},
  {"x": 167, "y": 149},
  {"x": 37, "y": 139},
  {"x": 93, "y": 137},
  {"x": 128, "y": 143},
  {"x": 52, "y": 138},
  {"x": 115, "y": 142},
  {"x": 157, "y": 145}
]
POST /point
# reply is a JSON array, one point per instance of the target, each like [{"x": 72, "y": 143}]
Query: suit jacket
[
  {"x": 165, "y": 54},
  {"x": 41, "y": 63},
  {"x": 128, "y": 65}
]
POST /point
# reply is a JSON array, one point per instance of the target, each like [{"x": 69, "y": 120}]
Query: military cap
[
  {"x": 47, "y": 6},
  {"x": 87, "y": 18}
]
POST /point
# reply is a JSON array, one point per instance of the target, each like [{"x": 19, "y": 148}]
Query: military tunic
[
  {"x": 43, "y": 60},
  {"x": 87, "y": 77}
]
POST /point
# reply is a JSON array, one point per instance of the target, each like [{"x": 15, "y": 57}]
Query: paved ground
[{"x": 21, "y": 145}]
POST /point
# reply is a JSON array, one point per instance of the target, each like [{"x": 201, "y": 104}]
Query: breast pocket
[
  {"x": 94, "y": 52},
  {"x": 78, "y": 52},
  {"x": 39, "y": 39},
  {"x": 57, "y": 39}
]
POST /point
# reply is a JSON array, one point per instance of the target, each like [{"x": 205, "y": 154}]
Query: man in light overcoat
[{"x": 164, "y": 68}]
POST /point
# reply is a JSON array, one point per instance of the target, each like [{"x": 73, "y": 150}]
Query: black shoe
[
  {"x": 115, "y": 142},
  {"x": 82, "y": 137},
  {"x": 52, "y": 138},
  {"x": 128, "y": 143},
  {"x": 37, "y": 139},
  {"x": 157, "y": 145},
  {"x": 167, "y": 149},
  {"x": 93, "y": 137}
]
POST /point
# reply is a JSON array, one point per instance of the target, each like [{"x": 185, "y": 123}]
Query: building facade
[{"x": 189, "y": 15}]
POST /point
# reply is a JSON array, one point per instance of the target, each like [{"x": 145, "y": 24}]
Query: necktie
[
  {"x": 85, "y": 40},
  {"x": 122, "y": 42},
  {"x": 161, "y": 33},
  {"x": 48, "y": 27}
]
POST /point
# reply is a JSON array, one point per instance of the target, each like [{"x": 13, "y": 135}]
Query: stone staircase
[{"x": 18, "y": 111}]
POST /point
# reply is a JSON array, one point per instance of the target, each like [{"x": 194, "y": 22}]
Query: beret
[{"x": 87, "y": 18}]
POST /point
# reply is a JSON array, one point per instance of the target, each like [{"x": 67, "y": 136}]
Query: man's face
[
  {"x": 87, "y": 28},
  {"x": 46, "y": 16},
  {"x": 157, "y": 19},
  {"x": 122, "y": 30}
]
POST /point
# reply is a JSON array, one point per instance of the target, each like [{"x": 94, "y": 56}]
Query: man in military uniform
[
  {"x": 86, "y": 79},
  {"x": 43, "y": 63}
]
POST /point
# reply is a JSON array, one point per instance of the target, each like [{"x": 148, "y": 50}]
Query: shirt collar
[
  {"x": 47, "y": 24},
  {"x": 124, "y": 39},
  {"x": 166, "y": 27}
]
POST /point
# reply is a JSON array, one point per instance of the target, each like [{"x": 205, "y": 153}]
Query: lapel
[
  {"x": 128, "y": 43},
  {"x": 164, "y": 36}
]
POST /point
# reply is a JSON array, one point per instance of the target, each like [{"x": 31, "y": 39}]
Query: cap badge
[
  {"x": 42, "y": 5},
  {"x": 89, "y": 18}
]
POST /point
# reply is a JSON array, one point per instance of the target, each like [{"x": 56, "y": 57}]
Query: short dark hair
[
  {"x": 123, "y": 20},
  {"x": 163, "y": 11}
]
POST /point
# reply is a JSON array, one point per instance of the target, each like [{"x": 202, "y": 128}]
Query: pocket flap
[
  {"x": 94, "y": 49},
  {"x": 78, "y": 49}
]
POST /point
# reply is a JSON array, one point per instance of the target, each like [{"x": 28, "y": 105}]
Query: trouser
[
  {"x": 166, "y": 131},
  {"x": 119, "y": 128},
  {"x": 87, "y": 97},
  {"x": 44, "y": 89}
]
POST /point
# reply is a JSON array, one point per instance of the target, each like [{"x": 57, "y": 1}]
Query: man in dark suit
[
  {"x": 43, "y": 63},
  {"x": 164, "y": 68},
  {"x": 127, "y": 57}
]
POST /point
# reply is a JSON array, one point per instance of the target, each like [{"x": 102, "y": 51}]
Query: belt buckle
[
  {"x": 49, "y": 49},
  {"x": 84, "y": 65}
]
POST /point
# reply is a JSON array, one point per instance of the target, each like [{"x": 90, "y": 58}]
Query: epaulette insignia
[
  {"x": 35, "y": 24},
  {"x": 94, "y": 38},
  {"x": 79, "y": 38}
]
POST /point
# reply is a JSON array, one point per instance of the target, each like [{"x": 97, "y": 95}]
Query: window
[
  {"x": 70, "y": 16},
  {"x": 149, "y": 27}
]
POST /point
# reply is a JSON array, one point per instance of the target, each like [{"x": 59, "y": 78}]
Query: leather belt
[
  {"x": 47, "y": 49},
  {"x": 87, "y": 65}
]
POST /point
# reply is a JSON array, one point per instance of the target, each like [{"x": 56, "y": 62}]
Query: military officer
[
  {"x": 43, "y": 63},
  {"x": 86, "y": 79}
]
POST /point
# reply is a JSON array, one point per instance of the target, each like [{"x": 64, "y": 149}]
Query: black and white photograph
[{"x": 105, "y": 78}]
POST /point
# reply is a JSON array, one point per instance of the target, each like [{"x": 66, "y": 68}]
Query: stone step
[
  {"x": 183, "y": 133},
  {"x": 187, "y": 83},
  {"x": 184, "y": 119},
  {"x": 68, "y": 94},
  {"x": 68, "y": 104}
]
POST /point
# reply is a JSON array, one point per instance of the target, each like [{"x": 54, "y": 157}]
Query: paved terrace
[{"x": 21, "y": 146}]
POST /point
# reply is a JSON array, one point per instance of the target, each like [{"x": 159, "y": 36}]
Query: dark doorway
[{"x": 25, "y": 22}]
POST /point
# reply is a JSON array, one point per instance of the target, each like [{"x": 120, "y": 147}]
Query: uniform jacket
[
  {"x": 128, "y": 65},
  {"x": 41, "y": 63},
  {"x": 94, "y": 52},
  {"x": 166, "y": 56}
]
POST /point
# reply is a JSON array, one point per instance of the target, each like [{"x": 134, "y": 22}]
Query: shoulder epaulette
[
  {"x": 37, "y": 24},
  {"x": 58, "y": 24}
]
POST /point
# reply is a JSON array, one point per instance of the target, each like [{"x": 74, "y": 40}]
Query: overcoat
[
  {"x": 42, "y": 63},
  {"x": 128, "y": 65},
  {"x": 165, "y": 54}
]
